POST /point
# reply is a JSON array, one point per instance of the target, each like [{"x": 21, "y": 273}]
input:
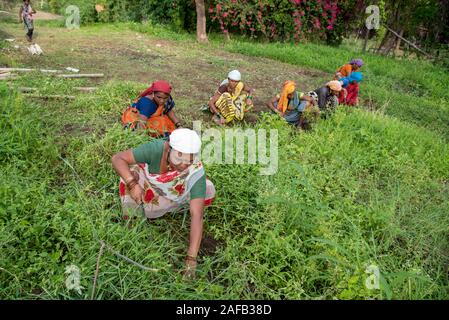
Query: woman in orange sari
[{"x": 153, "y": 110}]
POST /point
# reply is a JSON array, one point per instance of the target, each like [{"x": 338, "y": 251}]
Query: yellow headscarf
[{"x": 287, "y": 88}]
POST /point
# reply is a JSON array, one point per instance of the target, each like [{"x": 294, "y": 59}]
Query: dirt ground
[{"x": 194, "y": 70}]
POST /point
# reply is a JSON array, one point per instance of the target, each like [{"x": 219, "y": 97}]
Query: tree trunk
[
  {"x": 390, "y": 44},
  {"x": 383, "y": 42},
  {"x": 365, "y": 42},
  {"x": 398, "y": 43},
  {"x": 201, "y": 35}
]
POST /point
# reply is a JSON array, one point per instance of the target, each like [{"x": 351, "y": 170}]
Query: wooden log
[
  {"x": 86, "y": 89},
  {"x": 365, "y": 41},
  {"x": 7, "y": 76},
  {"x": 29, "y": 70},
  {"x": 93, "y": 75},
  {"x": 83, "y": 89}
]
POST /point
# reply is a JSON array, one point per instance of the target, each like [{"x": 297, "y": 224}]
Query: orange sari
[
  {"x": 160, "y": 122},
  {"x": 345, "y": 70}
]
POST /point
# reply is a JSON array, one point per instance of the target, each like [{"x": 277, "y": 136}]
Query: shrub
[{"x": 276, "y": 19}]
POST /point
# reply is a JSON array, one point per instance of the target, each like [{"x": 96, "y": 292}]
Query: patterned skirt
[
  {"x": 230, "y": 109},
  {"x": 154, "y": 204}
]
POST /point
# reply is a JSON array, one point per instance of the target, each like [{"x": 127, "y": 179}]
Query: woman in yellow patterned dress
[{"x": 231, "y": 100}]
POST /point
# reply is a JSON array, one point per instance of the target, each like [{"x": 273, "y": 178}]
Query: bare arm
[
  {"x": 249, "y": 90},
  {"x": 213, "y": 100},
  {"x": 196, "y": 234},
  {"x": 308, "y": 99},
  {"x": 270, "y": 104},
  {"x": 173, "y": 117},
  {"x": 196, "y": 226},
  {"x": 121, "y": 162},
  {"x": 20, "y": 14}
]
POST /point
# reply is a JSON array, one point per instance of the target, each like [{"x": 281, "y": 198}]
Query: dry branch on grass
[{"x": 56, "y": 96}]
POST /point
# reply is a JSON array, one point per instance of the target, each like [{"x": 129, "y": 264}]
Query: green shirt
[{"x": 151, "y": 153}]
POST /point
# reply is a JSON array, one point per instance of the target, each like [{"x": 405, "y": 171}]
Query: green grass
[{"x": 365, "y": 187}]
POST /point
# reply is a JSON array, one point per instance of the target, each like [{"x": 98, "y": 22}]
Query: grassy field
[{"x": 368, "y": 186}]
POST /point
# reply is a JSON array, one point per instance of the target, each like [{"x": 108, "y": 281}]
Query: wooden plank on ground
[
  {"x": 81, "y": 75},
  {"x": 28, "y": 70}
]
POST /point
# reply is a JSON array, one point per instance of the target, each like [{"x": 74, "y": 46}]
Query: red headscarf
[{"x": 158, "y": 86}]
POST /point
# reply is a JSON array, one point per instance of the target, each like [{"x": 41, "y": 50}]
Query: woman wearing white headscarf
[
  {"x": 231, "y": 100},
  {"x": 162, "y": 176}
]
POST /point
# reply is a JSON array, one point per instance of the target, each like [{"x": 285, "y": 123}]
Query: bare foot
[{"x": 218, "y": 120}]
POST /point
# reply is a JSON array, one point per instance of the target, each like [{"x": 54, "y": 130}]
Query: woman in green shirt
[{"x": 161, "y": 176}]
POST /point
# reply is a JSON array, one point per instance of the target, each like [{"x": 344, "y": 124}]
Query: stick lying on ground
[
  {"x": 7, "y": 76},
  {"x": 86, "y": 89},
  {"x": 83, "y": 89},
  {"x": 29, "y": 70},
  {"x": 92, "y": 75}
]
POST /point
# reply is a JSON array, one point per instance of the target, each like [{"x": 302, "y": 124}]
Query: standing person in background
[{"x": 26, "y": 16}]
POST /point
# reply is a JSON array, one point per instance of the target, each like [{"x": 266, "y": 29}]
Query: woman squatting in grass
[
  {"x": 347, "y": 69},
  {"x": 290, "y": 104},
  {"x": 162, "y": 176},
  {"x": 153, "y": 110},
  {"x": 349, "y": 93},
  {"x": 231, "y": 100}
]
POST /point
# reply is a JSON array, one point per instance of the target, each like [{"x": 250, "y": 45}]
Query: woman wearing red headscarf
[{"x": 153, "y": 110}]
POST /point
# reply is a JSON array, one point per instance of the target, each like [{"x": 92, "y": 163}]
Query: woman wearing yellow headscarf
[{"x": 290, "y": 103}]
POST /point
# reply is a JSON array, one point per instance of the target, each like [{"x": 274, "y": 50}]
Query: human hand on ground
[
  {"x": 190, "y": 268},
  {"x": 137, "y": 194}
]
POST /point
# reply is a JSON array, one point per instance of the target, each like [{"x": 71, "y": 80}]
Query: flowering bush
[{"x": 276, "y": 19}]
